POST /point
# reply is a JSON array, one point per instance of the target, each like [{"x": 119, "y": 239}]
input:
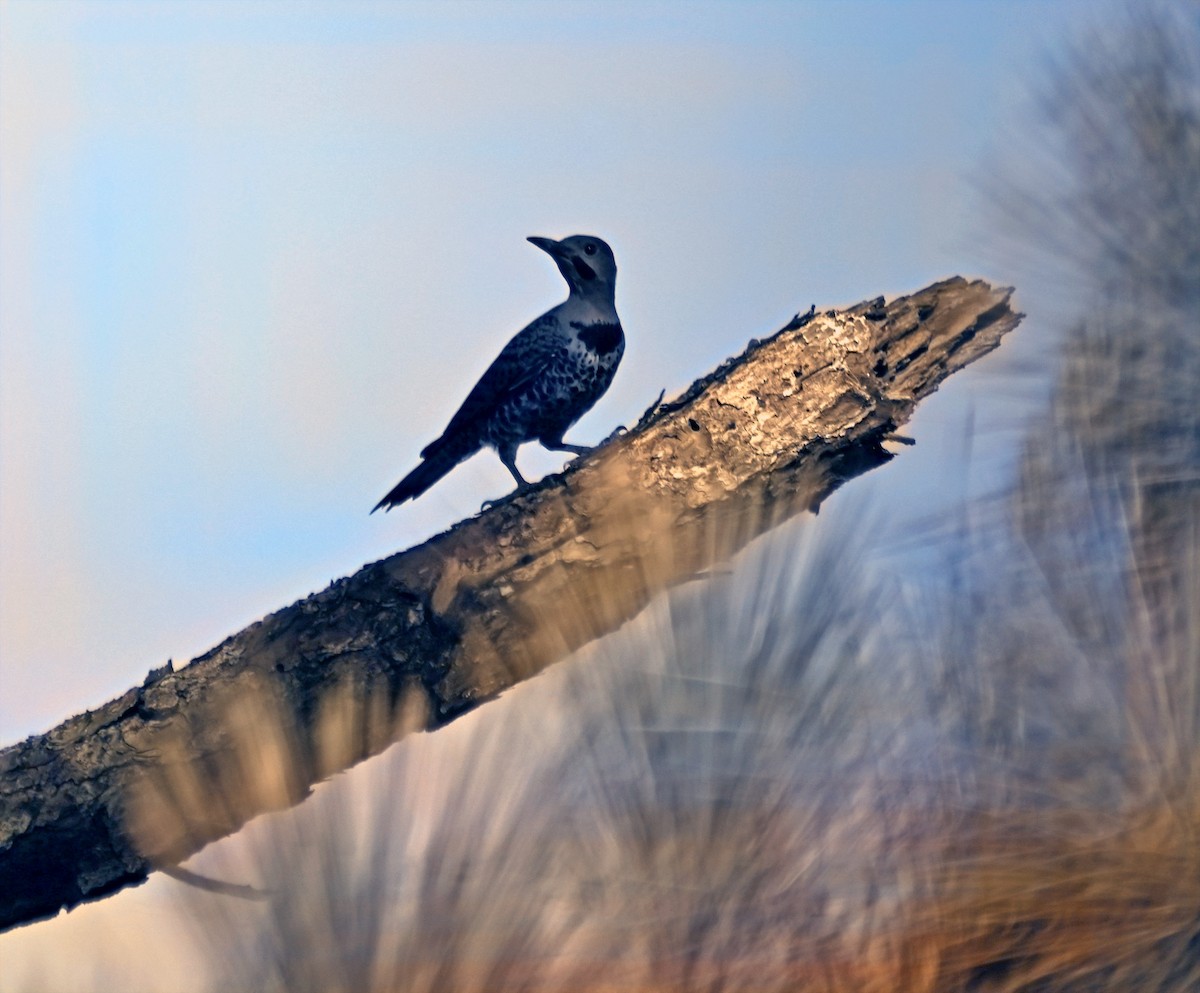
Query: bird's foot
[
  {"x": 522, "y": 487},
  {"x": 616, "y": 433}
]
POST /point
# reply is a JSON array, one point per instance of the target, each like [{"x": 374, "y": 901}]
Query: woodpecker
[{"x": 547, "y": 377}]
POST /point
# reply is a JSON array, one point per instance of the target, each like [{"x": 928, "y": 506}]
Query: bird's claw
[
  {"x": 489, "y": 504},
  {"x": 522, "y": 487}
]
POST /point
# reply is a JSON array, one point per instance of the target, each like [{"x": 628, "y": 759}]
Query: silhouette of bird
[{"x": 544, "y": 380}]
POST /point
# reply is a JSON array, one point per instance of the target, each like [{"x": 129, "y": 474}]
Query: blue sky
[{"x": 253, "y": 255}]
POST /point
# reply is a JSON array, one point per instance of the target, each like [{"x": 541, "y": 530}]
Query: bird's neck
[{"x": 595, "y": 305}]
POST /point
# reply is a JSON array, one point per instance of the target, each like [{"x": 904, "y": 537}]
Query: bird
[{"x": 547, "y": 377}]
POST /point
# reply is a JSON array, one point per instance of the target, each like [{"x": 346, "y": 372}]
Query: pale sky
[{"x": 253, "y": 255}]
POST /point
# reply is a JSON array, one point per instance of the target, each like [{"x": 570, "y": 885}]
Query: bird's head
[{"x": 586, "y": 262}]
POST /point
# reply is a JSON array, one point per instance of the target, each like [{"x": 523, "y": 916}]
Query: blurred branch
[{"x": 416, "y": 639}]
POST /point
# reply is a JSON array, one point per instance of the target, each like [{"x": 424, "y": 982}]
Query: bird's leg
[
  {"x": 555, "y": 443},
  {"x": 508, "y": 456},
  {"x": 558, "y": 445}
]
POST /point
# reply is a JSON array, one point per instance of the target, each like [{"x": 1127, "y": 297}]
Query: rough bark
[{"x": 416, "y": 639}]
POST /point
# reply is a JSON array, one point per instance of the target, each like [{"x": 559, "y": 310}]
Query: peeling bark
[{"x": 414, "y": 640}]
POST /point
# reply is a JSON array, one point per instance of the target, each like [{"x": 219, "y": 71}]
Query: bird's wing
[{"x": 520, "y": 362}]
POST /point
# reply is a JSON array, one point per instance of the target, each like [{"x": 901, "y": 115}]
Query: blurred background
[{"x": 252, "y": 256}]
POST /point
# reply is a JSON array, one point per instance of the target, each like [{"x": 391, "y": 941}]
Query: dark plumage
[{"x": 546, "y": 378}]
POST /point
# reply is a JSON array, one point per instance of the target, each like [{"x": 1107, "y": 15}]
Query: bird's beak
[{"x": 547, "y": 245}]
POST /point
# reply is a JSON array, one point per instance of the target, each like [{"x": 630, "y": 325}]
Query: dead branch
[{"x": 416, "y": 639}]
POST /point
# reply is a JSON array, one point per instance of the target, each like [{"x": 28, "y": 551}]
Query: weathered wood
[{"x": 146, "y": 780}]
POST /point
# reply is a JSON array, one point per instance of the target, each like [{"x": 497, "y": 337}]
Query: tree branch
[{"x": 416, "y": 639}]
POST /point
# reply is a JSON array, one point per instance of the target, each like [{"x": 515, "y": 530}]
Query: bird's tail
[{"x": 437, "y": 460}]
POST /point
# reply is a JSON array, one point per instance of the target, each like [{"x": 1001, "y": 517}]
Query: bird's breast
[
  {"x": 603, "y": 337},
  {"x": 573, "y": 378},
  {"x": 592, "y": 354}
]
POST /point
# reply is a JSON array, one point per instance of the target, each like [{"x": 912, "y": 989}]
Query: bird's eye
[{"x": 589, "y": 249}]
